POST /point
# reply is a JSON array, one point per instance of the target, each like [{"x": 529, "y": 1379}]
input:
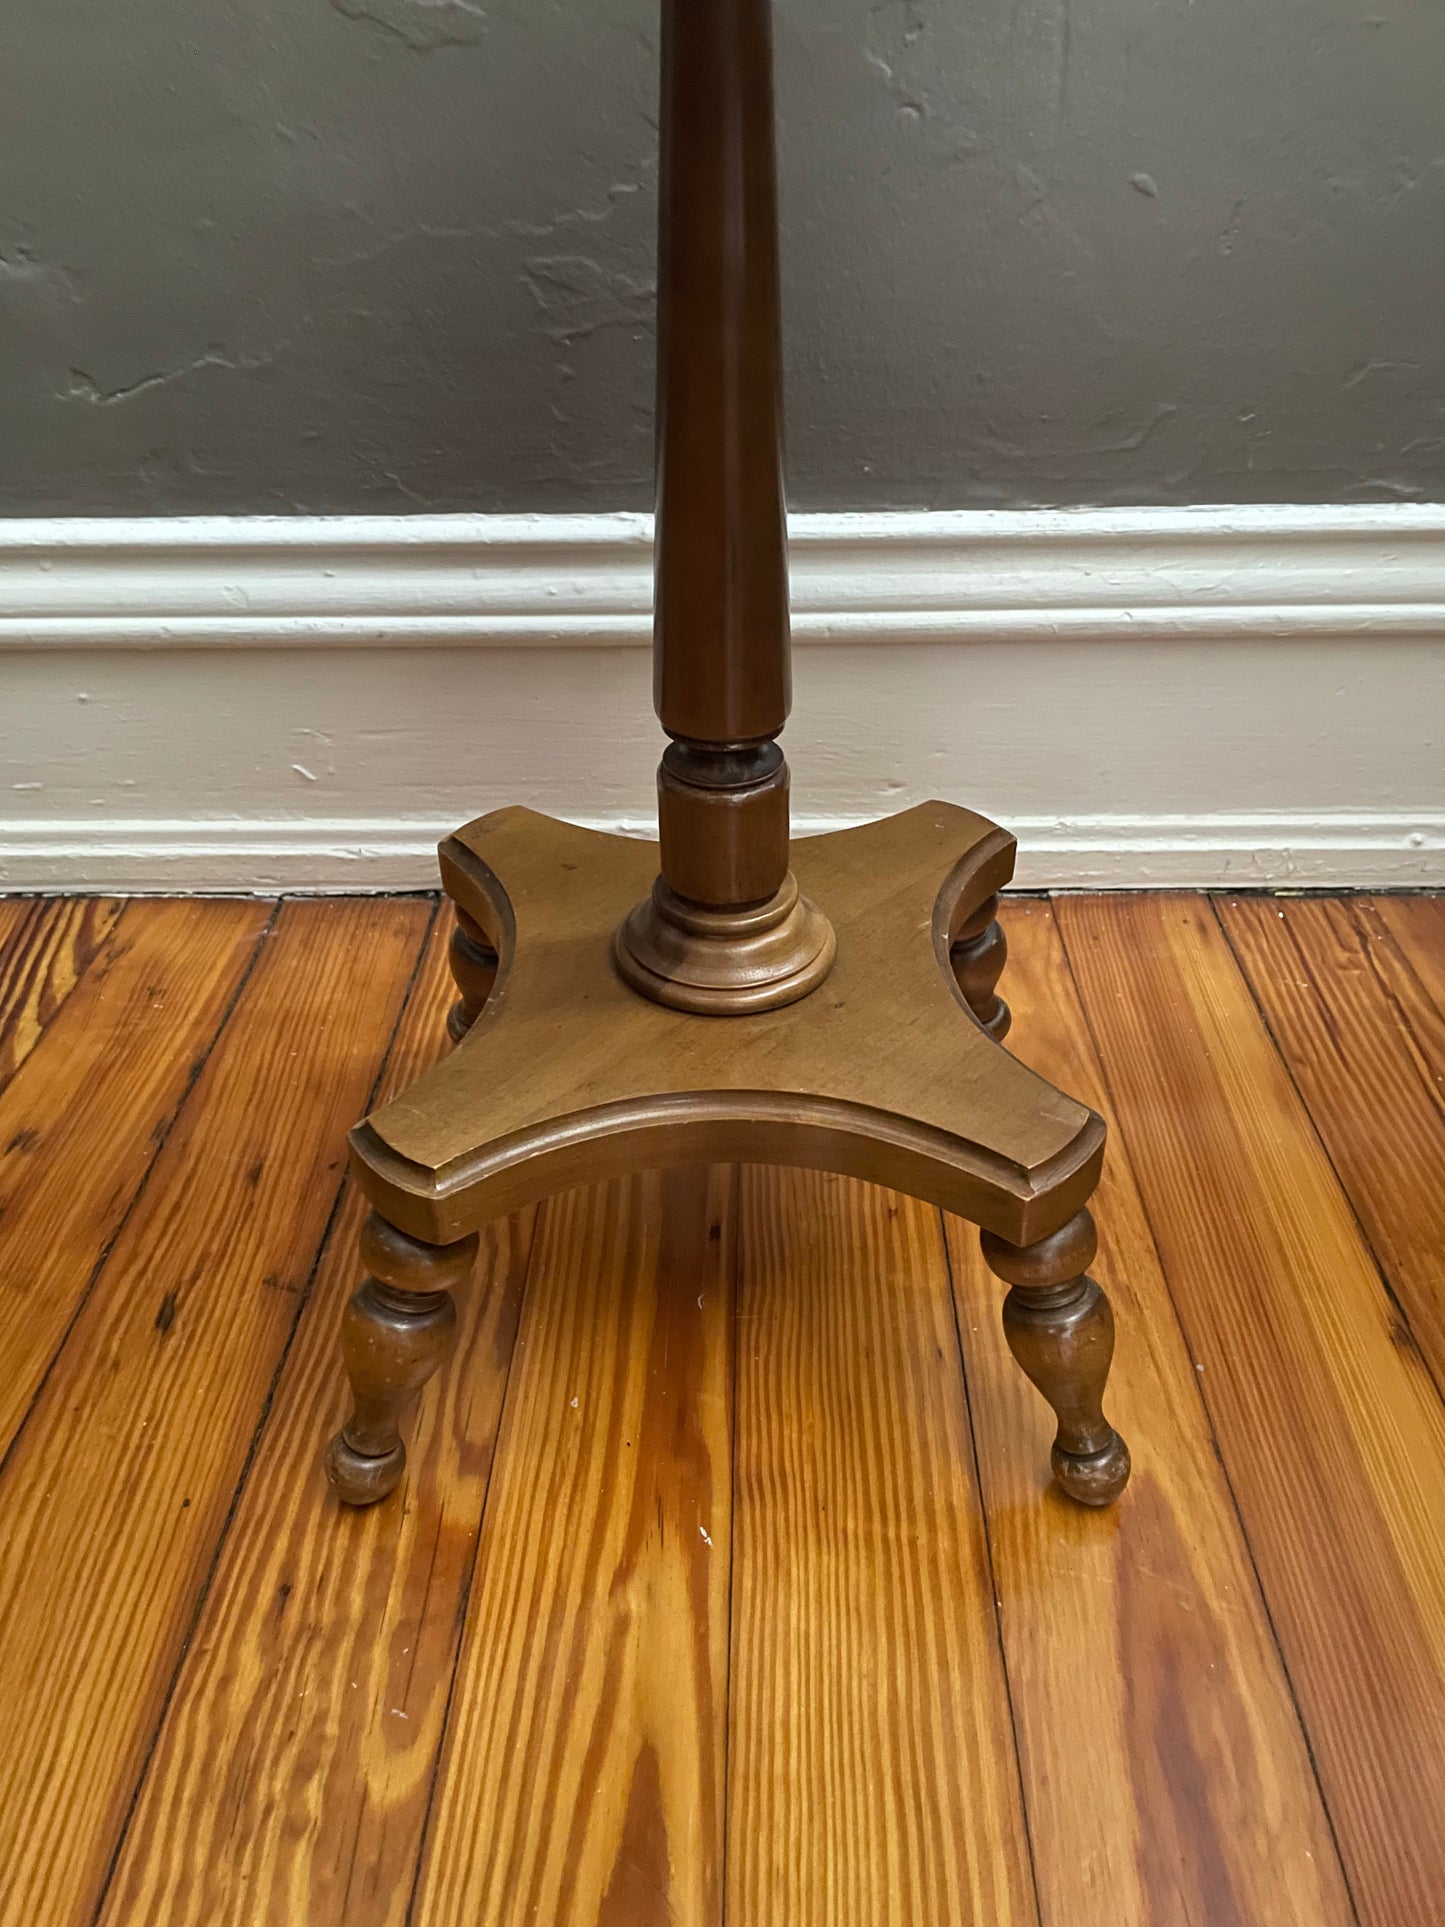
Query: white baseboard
[
  {"x": 1147, "y": 698},
  {"x": 253, "y": 855}
]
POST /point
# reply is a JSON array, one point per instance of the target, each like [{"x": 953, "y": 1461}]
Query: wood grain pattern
[
  {"x": 871, "y": 1771},
  {"x": 587, "y": 1739},
  {"x": 317, "y": 1676},
  {"x": 1166, "y": 1776},
  {"x": 81, "y": 1120},
  {"x": 1406, "y": 937},
  {"x": 1417, "y": 926},
  {"x": 46, "y": 946},
  {"x": 1359, "y": 1036},
  {"x": 871, "y": 1752},
  {"x": 568, "y": 1078},
  {"x": 119, "y": 1486},
  {"x": 1331, "y": 1432}
]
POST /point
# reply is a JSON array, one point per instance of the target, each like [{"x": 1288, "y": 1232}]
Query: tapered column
[{"x": 724, "y": 930}]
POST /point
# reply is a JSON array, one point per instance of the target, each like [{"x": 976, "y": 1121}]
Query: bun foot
[
  {"x": 1094, "y": 1478},
  {"x": 359, "y": 1478}
]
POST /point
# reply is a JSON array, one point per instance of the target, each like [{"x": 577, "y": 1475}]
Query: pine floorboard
[
  {"x": 1163, "y": 1762},
  {"x": 46, "y": 946},
  {"x": 320, "y": 1664},
  {"x": 82, "y": 1122},
  {"x": 119, "y": 1485},
  {"x": 1331, "y": 1432},
  {"x": 1365, "y": 1046},
  {"x": 727, "y": 1583},
  {"x": 586, "y": 1745},
  {"x": 871, "y": 1767}
]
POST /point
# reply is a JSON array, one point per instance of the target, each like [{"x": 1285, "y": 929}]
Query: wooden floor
[{"x": 727, "y": 1581}]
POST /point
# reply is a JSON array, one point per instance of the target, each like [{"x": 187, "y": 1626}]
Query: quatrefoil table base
[{"x": 891, "y": 1070}]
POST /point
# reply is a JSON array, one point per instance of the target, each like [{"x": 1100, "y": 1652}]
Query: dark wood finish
[
  {"x": 725, "y": 930},
  {"x": 119, "y": 1485},
  {"x": 721, "y": 962},
  {"x": 978, "y": 956},
  {"x": 1331, "y": 1431},
  {"x": 563, "y": 1076},
  {"x": 1060, "y": 1328},
  {"x": 721, "y": 667},
  {"x": 473, "y": 960},
  {"x": 398, "y": 1328},
  {"x": 723, "y": 843}
]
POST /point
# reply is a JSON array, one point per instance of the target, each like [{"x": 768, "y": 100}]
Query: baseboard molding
[
  {"x": 585, "y": 581},
  {"x": 1148, "y": 698},
  {"x": 1300, "y": 850}
]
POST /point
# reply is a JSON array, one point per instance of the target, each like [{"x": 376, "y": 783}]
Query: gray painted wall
[{"x": 390, "y": 254}]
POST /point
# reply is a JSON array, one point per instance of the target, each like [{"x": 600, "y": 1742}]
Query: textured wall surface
[{"x": 333, "y": 255}]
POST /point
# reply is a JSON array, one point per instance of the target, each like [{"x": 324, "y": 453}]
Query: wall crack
[{"x": 423, "y": 25}]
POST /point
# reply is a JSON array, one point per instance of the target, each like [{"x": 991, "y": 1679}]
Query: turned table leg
[
  {"x": 1061, "y": 1330},
  {"x": 395, "y": 1332},
  {"x": 474, "y": 970},
  {"x": 980, "y": 951}
]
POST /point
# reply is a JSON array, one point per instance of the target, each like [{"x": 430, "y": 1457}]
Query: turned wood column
[
  {"x": 396, "y": 1331},
  {"x": 1060, "y": 1328},
  {"x": 724, "y": 930}
]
